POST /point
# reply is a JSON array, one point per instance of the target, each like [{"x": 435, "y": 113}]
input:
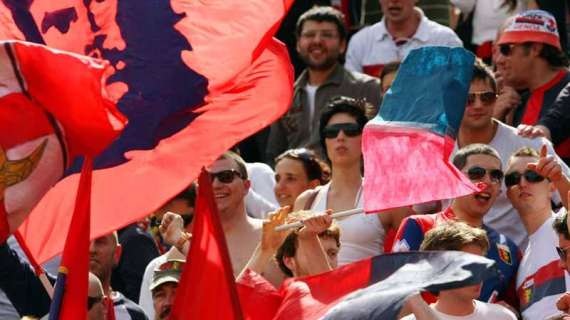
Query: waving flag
[
  {"x": 207, "y": 288},
  {"x": 192, "y": 77},
  {"x": 53, "y": 107},
  {"x": 407, "y": 146},
  {"x": 374, "y": 288}
]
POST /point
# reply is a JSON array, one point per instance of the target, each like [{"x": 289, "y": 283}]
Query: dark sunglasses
[
  {"x": 562, "y": 252},
  {"x": 514, "y": 178},
  {"x": 477, "y": 173},
  {"x": 486, "y": 97},
  {"x": 225, "y": 176},
  {"x": 91, "y": 301},
  {"x": 349, "y": 129},
  {"x": 506, "y": 49}
]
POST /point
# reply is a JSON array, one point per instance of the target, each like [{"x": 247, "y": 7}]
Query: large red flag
[
  {"x": 53, "y": 106},
  {"x": 207, "y": 288},
  {"x": 70, "y": 296},
  {"x": 212, "y": 75}
]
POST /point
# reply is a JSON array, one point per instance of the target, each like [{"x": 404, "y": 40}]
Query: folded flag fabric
[
  {"x": 192, "y": 77},
  {"x": 45, "y": 122},
  {"x": 374, "y": 288},
  {"x": 407, "y": 145}
]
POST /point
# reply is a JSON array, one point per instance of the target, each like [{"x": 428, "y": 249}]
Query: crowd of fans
[{"x": 513, "y": 140}]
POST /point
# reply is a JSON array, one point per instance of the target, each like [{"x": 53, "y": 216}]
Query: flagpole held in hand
[{"x": 340, "y": 214}]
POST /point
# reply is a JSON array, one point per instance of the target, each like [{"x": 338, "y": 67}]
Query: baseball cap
[
  {"x": 532, "y": 26},
  {"x": 169, "y": 271}
]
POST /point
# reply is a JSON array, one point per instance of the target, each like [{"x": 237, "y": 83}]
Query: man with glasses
[
  {"x": 534, "y": 62},
  {"x": 530, "y": 179},
  {"x": 482, "y": 165},
  {"x": 560, "y": 226},
  {"x": 479, "y": 126},
  {"x": 321, "y": 42}
]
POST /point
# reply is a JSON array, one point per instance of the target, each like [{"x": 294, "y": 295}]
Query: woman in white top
[{"x": 340, "y": 129}]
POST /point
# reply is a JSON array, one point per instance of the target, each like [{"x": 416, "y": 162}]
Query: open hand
[{"x": 271, "y": 239}]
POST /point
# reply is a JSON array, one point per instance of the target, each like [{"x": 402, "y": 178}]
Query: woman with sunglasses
[
  {"x": 340, "y": 129},
  {"x": 297, "y": 170}
]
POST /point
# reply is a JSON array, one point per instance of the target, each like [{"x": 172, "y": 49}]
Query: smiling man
[
  {"x": 321, "y": 42},
  {"x": 402, "y": 29},
  {"x": 531, "y": 179},
  {"x": 481, "y": 164},
  {"x": 479, "y": 126}
]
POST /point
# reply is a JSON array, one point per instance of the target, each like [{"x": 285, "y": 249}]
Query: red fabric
[
  {"x": 207, "y": 287},
  {"x": 75, "y": 257},
  {"x": 258, "y": 298},
  {"x": 90, "y": 121},
  {"x": 534, "y": 104},
  {"x": 250, "y": 86},
  {"x": 311, "y": 297},
  {"x": 110, "y": 308},
  {"x": 398, "y": 168},
  {"x": 38, "y": 81},
  {"x": 373, "y": 70},
  {"x": 485, "y": 50},
  {"x": 389, "y": 240}
]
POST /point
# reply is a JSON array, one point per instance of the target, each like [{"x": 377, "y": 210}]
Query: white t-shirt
[
  {"x": 485, "y": 311},
  {"x": 503, "y": 217},
  {"x": 311, "y": 92},
  {"x": 540, "y": 281},
  {"x": 373, "y": 46},
  {"x": 488, "y": 17}
]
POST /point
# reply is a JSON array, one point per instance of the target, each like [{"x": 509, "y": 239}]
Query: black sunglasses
[
  {"x": 224, "y": 176},
  {"x": 486, "y": 98},
  {"x": 478, "y": 173},
  {"x": 91, "y": 301},
  {"x": 514, "y": 178},
  {"x": 562, "y": 252},
  {"x": 506, "y": 49},
  {"x": 349, "y": 129}
]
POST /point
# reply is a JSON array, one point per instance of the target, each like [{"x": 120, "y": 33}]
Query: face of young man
[
  {"x": 229, "y": 195},
  {"x": 163, "y": 299},
  {"x": 479, "y": 110},
  {"x": 298, "y": 264},
  {"x": 319, "y": 45},
  {"x": 478, "y": 204},
  {"x": 528, "y": 197},
  {"x": 564, "y": 245}
]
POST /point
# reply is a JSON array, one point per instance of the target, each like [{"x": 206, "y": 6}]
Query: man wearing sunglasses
[
  {"x": 560, "y": 226},
  {"x": 482, "y": 165},
  {"x": 479, "y": 126},
  {"x": 530, "y": 180},
  {"x": 534, "y": 62},
  {"x": 321, "y": 42}
]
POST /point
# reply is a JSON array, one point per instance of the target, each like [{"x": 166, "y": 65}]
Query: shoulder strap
[{"x": 312, "y": 196}]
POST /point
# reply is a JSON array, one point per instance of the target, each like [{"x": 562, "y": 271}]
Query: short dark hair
[
  {"x": 341, "y": 104},
  {"x": 460, "y": 158},
  {"x": 322, "y": 14},
  {"x": 560, "y": 225},
  {"x": 455, "y": 236},
  {"x": 484, "y": 73},
  {"x": 242, "y": 169},
  {"x": 188, "y": 195},
  {"x": 289, "y": 247},
  {"x": 554, "y": 56},
  {"x": 314, "y": 167}
]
